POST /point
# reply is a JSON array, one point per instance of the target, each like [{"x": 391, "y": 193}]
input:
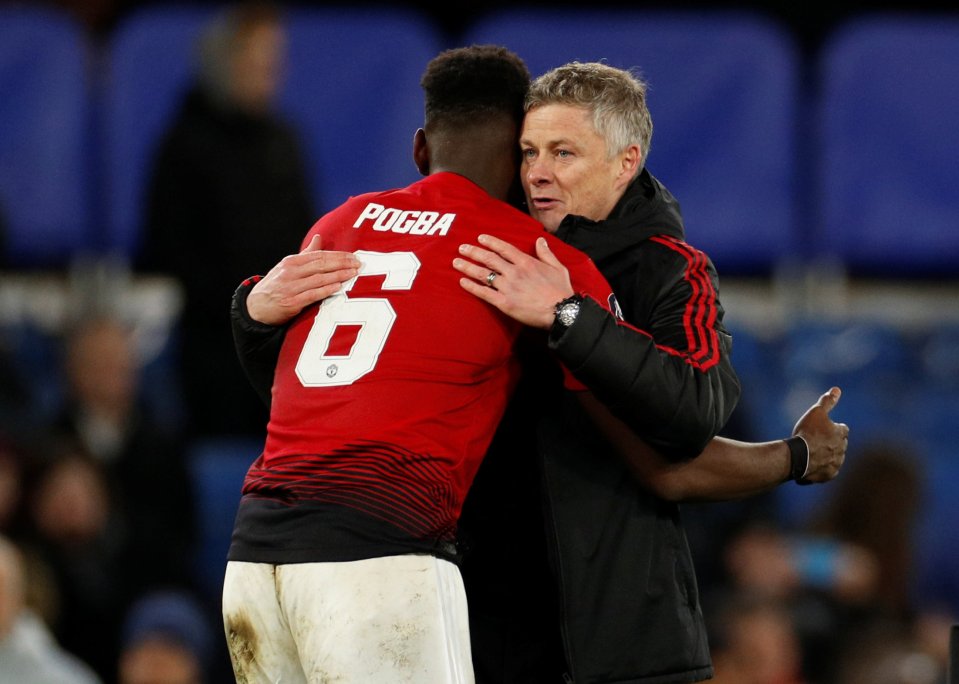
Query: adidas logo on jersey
[{"x": 404, "y": 221}]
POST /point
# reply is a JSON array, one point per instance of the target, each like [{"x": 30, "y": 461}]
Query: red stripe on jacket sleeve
[{"x": 699, "y": 317}]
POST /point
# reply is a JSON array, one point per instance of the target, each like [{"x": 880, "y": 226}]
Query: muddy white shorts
[{"x": 376, "y": 621}]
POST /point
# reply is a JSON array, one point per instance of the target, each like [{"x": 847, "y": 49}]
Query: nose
[{"x": 537, "y": 171}]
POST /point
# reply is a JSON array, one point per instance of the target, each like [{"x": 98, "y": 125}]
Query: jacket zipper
[{"x": 553, "y": 538}]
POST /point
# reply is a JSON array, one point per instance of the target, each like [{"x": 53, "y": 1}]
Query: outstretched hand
[
  {"x": 299, "y": 280},
  {"x": 827, "y": 440},
  {"x": 525, "y": 287}
]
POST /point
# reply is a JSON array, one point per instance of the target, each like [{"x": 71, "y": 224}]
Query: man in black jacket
[
  {"x": 628, "y": 603},
  {"x": 628, "y": 606}
]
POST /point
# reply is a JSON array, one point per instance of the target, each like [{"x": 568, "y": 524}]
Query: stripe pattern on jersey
[{"x": 384, "y": 481}]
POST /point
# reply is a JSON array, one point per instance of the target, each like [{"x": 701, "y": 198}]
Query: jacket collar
[{"x": 647, "y": 208}]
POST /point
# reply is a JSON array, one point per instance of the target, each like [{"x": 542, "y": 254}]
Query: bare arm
[{"x": 729, "y": 469}]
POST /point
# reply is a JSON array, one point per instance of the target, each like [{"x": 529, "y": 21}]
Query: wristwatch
[{"x": 566, "y": 311}]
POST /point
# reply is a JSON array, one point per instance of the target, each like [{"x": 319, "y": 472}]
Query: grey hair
[{"x": 615, "y": 97}]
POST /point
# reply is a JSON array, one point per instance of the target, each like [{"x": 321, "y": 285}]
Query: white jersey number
[{"x": 375, "y": 316}]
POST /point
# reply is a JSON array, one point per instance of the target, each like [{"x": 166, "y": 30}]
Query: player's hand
[
  {"x": 298, "y": 281},
  {"x": 827, "y": 440},
  {"x": 525, "y": 287}
]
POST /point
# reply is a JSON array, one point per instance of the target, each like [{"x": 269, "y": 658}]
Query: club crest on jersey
[{"x": 404, "y": 221}]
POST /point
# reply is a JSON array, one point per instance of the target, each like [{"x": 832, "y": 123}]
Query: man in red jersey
[{"x": 384, "y": 400}]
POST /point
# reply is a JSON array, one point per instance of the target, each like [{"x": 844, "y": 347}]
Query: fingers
[
  {"x": 502, "y": 248},
  {"x": 829, "y": 400},
  {"x": 477, "y": 272},
  {"x": 487, "y": 294},
  {"x": 310, "y": 262},
  {"x": 545, "y": 254},
  {"x": 495, "y": 254},
  {"x": 487, "y": 260},
  {"x": 315, "y": 245}
]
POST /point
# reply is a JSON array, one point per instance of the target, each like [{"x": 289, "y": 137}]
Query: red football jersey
[{"x": 387, "y": 394}]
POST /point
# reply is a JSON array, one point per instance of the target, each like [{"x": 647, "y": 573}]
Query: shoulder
[{"x": 676, "y": 254}]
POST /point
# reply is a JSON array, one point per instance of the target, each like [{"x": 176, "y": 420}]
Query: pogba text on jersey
[{"x": 404, "y": 221}]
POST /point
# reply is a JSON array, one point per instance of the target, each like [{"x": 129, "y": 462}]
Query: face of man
[
  {"x": 257, "y": 67},
  {"x": 565, "y": 167}
]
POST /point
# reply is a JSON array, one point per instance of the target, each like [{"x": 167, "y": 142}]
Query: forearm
[
  {"x": 726, "y": 469},
  {"x": 729, "y": 469}
]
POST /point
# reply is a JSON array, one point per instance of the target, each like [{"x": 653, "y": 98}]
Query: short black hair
[{"x": 473, "y": 84}]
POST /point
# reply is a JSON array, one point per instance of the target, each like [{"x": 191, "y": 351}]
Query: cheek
[{"x": 585, "y": 196}]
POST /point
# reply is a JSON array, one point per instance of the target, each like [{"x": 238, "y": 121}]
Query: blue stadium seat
[
  {"x": 724, "y": 97},
  {"x": 939, "y": 356},
  {"x": 888, "y": 168},
  {"x": 352, "y": 89},
  {"x": 44, "y": 136},
  {"x": 756, "y": 361},
  {"x": 217, "y": 467},
  {"x": 872, "y": 363},
  {"x": 848, "y": 352}
]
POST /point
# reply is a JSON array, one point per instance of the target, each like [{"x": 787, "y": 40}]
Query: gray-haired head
[{"x": 615, "y": 97}]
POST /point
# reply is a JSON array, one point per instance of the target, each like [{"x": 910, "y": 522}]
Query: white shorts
[{"x": 376, "y": 621}]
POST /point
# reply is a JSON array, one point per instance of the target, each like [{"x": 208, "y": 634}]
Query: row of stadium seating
[{"x": 775, "y": 155}]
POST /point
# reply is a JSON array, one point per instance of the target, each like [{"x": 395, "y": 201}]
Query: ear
[
  {"x": 421, "y": 152},
  {"x": 630, "y": 162}
]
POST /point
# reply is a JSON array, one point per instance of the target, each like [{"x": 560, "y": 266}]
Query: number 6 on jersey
[{"x": 374, "y": 315}]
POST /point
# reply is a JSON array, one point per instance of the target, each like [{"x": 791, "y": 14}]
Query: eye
[
  {"x": 564, "y": 154},
  {"x": 528, "y": 153}
]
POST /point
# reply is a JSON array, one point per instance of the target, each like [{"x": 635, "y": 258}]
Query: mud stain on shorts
[{"x": 242, "y": 642}]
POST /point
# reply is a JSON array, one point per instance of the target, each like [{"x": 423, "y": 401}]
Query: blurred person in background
[
  {"x": 886, "y": 654},
  {"x": 754, "y": 641},
  {"x": 166, "y": 639},
  {"x": 229, "y": 196},
  {"x": 876, "y": 508},
  {"x": 29, "y": 653},
  {"x": 143, "y": 463},
  {"x": 848, "y": 575},
  {"x": 814, "y": 579},
  {"x": 72, "y": 531}
]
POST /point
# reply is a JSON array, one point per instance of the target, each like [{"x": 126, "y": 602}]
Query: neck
[{"x": 484, "y": 153}]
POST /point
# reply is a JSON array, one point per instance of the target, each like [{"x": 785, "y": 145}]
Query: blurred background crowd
[{"x": 154, "y": 155}]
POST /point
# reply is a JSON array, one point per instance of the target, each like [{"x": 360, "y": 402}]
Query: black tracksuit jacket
[{"x": 618, "y": 560}]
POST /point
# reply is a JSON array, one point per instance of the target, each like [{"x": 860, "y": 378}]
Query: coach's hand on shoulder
[
  {"x": 298, "y": 281},
  {"x": 522, "y": 286},
  {"x": 826, "y": 439}
]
